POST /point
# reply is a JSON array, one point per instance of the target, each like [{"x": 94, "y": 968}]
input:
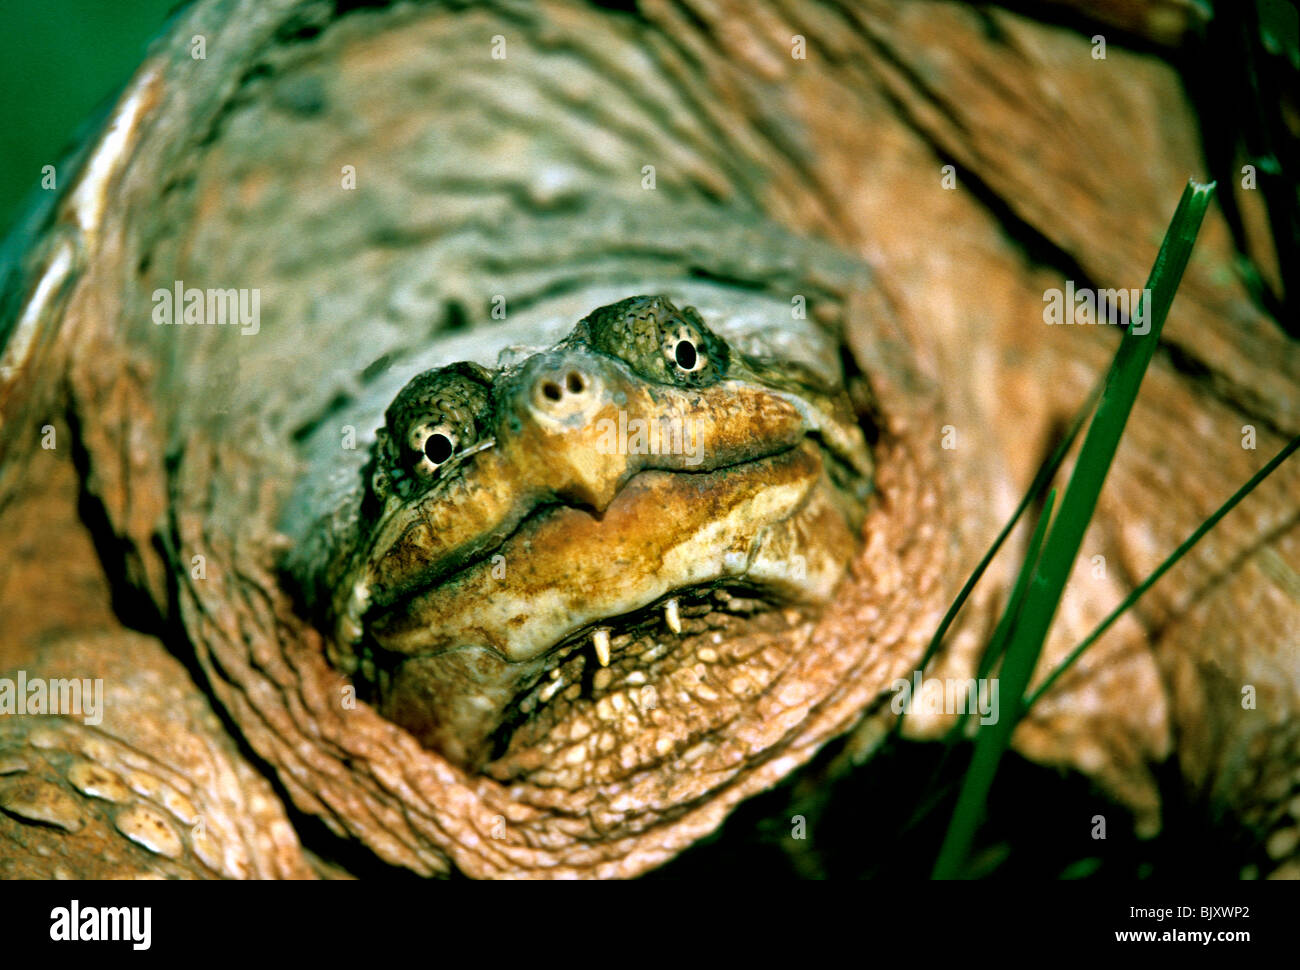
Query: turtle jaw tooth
[
  {"x": 600, "y": 640},
  {"x": 671, "y": 616}
]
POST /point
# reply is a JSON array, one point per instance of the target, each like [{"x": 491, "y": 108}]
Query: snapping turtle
[{"x": 369, "y": 426}]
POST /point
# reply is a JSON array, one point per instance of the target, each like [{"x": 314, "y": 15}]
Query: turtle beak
[{"x": 561, "y": 402}]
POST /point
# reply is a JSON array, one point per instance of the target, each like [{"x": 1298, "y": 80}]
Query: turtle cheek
[
  {"x": 407, "y": 558},
  {"x": 416, "y": 542}
]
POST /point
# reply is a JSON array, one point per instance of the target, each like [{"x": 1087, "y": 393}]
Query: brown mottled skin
[{"x": 359, "y": 562}]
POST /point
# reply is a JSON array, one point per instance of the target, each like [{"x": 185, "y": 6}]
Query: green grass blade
[
  {"x": 1046, "y": 472},
  {"x": 1164, "y": 567},
  {"x": 1125, "y": 377},
  {"x": 990, "y": 741},
  {"x": 1006, "y": 624},
  {"x": 1062, "y": 544}
]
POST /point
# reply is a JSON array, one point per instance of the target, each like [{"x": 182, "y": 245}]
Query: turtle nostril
[{"x": 563, "y": 388}]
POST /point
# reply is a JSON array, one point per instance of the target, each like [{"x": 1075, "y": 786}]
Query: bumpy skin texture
[
  {"x": 220, "y": 475},
  {"x": 156, "y": 789}
]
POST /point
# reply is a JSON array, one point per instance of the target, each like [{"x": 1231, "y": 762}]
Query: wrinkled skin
[{"x": 289, "y": 537}]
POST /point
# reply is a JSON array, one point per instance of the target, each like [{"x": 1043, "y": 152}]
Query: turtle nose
[
  {"x": 566, "y": 388},
  {"x": 565, "y": 402}
]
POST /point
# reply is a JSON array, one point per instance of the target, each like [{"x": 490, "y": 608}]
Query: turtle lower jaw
[
  {"x": 586, "y": 724},
  {"x": 648, "y": 692}
]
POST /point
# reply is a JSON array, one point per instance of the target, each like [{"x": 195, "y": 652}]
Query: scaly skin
[{"x": 202, "y": 461}]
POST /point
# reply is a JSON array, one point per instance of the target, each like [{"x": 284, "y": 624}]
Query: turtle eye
[
  {"x": 432, "y": 446},
  {"x": 686, "y": 357},
  {"x": 685, "y": 351}
]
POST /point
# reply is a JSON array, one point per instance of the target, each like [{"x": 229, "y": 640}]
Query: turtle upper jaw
[{"x": 768, "y": 523}]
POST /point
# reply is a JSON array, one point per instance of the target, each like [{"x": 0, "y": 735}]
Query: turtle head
[{"x": 586, "y": 521}]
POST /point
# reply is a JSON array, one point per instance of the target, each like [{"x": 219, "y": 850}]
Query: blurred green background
[{"x": 61, "y": 62}]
